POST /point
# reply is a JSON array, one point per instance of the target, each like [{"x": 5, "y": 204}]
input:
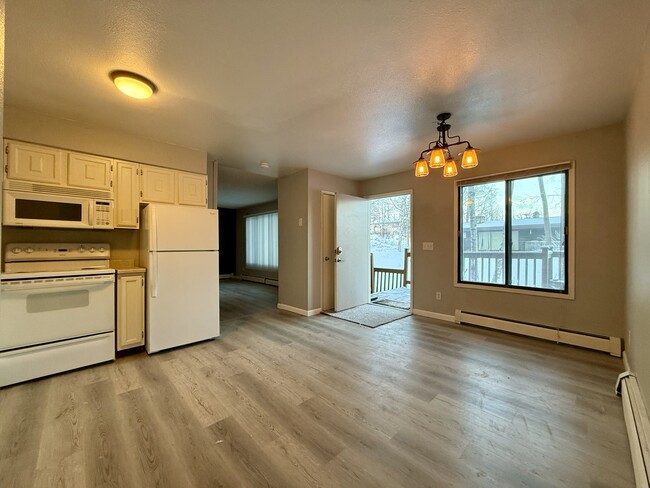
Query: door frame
[
  {"x": 321, "y": 246},
  {"x": 395, "y": 194}
]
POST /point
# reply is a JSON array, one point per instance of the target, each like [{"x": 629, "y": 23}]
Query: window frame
[{"x": 569, "y": 293}]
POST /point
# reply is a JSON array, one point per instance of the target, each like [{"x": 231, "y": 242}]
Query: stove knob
[
  {"x": 101, "y": 249},
  {"x": 92, "y": 249},
  {"x": 16, "y": 250},
  {"x": 82, "y": 249},
  {"x": 29, "y": 250}
]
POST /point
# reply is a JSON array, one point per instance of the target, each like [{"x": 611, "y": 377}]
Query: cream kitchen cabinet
[
  {"x": 88, "y": 171},
  {"x": 158, "y": 185},
  {"x": 130, "y": 308},
  {"x": 38, "y": 164},
  {"x": 192, "y": 189},
  {"x": 127, "y": 195}
]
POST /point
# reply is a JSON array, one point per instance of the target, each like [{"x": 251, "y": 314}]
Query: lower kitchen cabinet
[{"x": 130, "y": 308}]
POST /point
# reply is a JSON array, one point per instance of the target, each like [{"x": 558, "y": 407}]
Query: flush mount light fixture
[
  {"x": 133, "y": 84},
  {"x": 440, "y": 154}
]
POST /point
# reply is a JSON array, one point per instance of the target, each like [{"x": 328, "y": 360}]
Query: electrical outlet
[
  {"x": 427, "y": 246},
  {"x": 300, "y": 222},
  {"x": 438, "y": 295},
  {"x": 629, "y": 338}
]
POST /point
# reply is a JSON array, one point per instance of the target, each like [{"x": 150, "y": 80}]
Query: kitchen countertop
[{"x": 130, "y": 269}]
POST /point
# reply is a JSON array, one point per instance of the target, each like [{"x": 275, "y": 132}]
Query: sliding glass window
[{"x": 513, "y": 232}]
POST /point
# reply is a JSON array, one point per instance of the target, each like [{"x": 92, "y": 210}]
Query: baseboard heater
[
  {"x": 612, "y": 345},
  {"x": 257, "y": 279},
  {"x": 638, "y": 427}
]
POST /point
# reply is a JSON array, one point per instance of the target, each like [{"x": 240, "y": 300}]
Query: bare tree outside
[{"x": 390, "y": 233}]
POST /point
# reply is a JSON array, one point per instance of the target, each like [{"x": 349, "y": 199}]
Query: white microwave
[{"x": 62, "y": 211}]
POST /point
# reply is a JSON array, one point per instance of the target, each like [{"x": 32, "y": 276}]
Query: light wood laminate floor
[{"x": 288, "y": 401}]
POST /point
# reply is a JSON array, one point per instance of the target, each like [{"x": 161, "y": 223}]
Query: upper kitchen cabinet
[
  {"x": 158, "y": 185},
  {"x": 192, "y": 189},
  {"x": 32, "y": 163},
  {"x": 127, "y": 195},
  {"x": 92, "y": 172}
]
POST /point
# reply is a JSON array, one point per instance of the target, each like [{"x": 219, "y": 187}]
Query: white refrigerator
[{"x": 180, "y": 249}]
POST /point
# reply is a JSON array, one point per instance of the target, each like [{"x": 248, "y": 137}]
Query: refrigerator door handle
[
  {"x": 153, "y": 245},
  {"x": 154, "y": 274}
]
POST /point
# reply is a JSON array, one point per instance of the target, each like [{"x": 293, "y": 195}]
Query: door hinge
[
  {"x": 7, "y": 168},
  {"x": 7, "y": 149},
  {"x": 140, "y": 193}
]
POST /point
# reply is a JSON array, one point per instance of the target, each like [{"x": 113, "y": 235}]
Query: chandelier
[{"x": 440, "y": 153}]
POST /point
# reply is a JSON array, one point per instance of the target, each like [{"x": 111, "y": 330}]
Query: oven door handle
[{"x": 8, "y": 286}]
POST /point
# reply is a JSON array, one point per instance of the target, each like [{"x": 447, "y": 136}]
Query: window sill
[{"x": 519, "y": 291}]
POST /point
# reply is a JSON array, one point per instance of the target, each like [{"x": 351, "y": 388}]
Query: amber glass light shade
[
  {"x": 470, "y": 158},
  {"x": 421, "y": 167},
  {"x": 437, "y": 159},
  {"x": 450, "y": 169}
]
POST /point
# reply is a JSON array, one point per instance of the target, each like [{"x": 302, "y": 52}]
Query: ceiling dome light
[{"x": 133, "y": 84}]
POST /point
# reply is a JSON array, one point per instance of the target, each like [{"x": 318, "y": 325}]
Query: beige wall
[
  {"x": 598, "y": 307},
  {"x": 241, "y": 241},
  {"x": 300, "y": 254},
  {"x": 638, "y": 222},
  {"x": 293, "y": 252},
  {"x": 29, "y": 126}
]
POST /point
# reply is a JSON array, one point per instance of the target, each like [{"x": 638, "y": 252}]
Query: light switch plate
[{"x": 427, "y": 246}]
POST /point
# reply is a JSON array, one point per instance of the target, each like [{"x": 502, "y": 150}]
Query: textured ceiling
[{"x": 349, "y": 87}]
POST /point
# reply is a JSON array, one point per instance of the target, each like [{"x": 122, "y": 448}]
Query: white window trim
[{"x": 571, "y": 274}]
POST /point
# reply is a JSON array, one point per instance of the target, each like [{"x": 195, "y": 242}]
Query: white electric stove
[{"x": 57, "y": 309}]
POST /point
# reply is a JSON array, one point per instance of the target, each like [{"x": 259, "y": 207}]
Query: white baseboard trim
[
  {"x": 433, "y": 315},
  {"x": 612, "y": 345},
  {"x": 259, "y": 279},
  {"x": 254, "y": 279},
  {"x": 638, "y": 429},
  {"x": 226, "y": 276},
  {"x": 299, "y": 311}
]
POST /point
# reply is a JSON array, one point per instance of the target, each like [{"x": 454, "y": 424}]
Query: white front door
[{"x": 352, "y": 254}]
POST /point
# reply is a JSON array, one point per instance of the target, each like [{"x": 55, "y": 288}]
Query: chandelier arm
[
  {"x": 460, "y": 142},
  {"x": 454, "y": 137}
]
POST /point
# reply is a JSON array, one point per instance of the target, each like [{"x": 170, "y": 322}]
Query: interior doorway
[{"x": 391, "y": 249}]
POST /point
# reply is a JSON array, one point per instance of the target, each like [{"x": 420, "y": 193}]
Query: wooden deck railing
[
  {"x": 383, "y": 279},
  {"x": 539, "y": 269}
]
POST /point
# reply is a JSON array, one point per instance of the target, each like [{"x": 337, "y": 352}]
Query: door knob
[
  {"x": 327, "y": 258},
  {"x": 338, "y": 260},
  {"x": 338, "y": 250}
]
